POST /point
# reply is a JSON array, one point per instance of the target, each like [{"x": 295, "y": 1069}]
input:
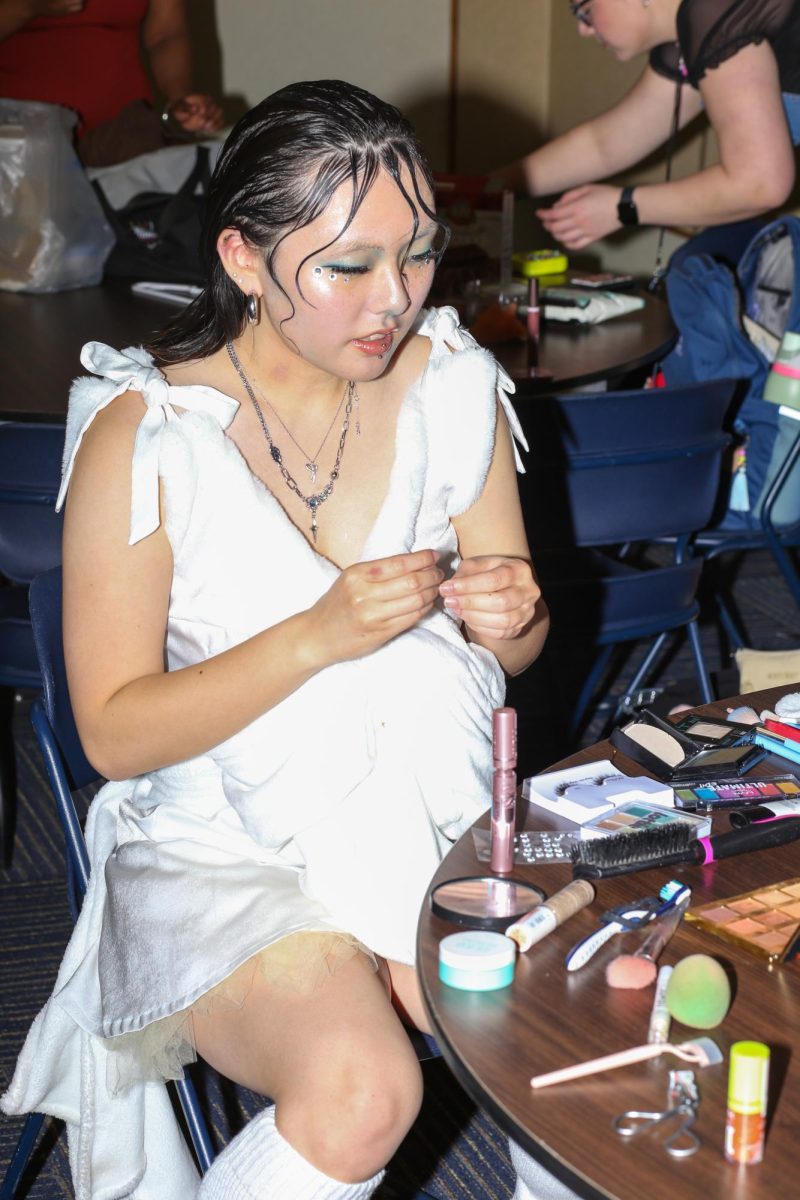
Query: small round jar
[{"x": 476, "y": 961}]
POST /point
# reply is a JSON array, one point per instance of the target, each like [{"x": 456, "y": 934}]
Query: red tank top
[{"x": 89, "y": 61}]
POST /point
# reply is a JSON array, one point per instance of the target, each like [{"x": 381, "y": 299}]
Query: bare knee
[{"x": 350, "y": 1130}]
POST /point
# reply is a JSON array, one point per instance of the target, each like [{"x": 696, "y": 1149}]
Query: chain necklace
[
  {"x": 311, "y": 464},
  {"x": 313, "y": 501}
]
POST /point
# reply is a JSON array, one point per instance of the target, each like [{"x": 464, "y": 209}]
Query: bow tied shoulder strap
[{"x": 113, "y": 373}]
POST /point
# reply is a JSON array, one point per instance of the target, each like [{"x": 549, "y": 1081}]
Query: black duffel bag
[{"x": 158, "y": 233}]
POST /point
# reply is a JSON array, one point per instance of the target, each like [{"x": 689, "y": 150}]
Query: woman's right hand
[{"x": 371, "y": 603}]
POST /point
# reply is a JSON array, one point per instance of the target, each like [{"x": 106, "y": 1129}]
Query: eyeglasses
[{"x": 582, "y": 11}]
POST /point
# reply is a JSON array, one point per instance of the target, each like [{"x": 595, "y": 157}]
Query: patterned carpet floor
[{"x": 454, "y": 1151}]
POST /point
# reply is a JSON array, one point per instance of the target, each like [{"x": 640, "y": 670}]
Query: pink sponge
[{"x": 630, "y": 971}]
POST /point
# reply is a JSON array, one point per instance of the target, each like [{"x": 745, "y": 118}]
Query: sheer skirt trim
[{"x": 300, "y": 963}]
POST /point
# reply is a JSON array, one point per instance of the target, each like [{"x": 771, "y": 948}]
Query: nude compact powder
[{"x": 764, "y": 921}]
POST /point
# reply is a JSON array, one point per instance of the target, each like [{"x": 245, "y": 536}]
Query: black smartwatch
[{"x": 627, "y": 211}]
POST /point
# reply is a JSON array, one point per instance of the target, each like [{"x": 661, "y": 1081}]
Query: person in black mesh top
[{"x": 739, "y": 60}]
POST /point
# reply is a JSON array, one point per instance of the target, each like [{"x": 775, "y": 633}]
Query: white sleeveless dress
[{"x": 328, "y": 813}]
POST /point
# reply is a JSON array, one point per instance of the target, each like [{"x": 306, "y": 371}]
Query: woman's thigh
[{"x": 280, "y": 1040}]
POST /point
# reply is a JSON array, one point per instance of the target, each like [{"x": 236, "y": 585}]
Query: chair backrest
[
  {"x": 45, "y": 603},
  {"x": 30, "y": 473},
  {"x": 611, "y": 467}
]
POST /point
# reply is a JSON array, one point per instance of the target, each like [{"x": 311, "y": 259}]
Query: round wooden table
[
  {"x": 575, "y": 355},
  {"x": 41, "y": 339},
  {"x": 495, "y": 1041}
]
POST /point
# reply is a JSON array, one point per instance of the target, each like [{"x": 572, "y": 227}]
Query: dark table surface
[
  {"x": 494, "y": 1042},
  {"x": 575, "y": 355},
  {"x": 41, "y": 338}
]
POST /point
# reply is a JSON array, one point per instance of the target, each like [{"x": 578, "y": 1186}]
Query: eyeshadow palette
[
  {"x": 764, "y": 922},
  {"x": 708, "y": 731},
  {"x": 637, "y": 815},
  {"x": 708, "y": 795}
]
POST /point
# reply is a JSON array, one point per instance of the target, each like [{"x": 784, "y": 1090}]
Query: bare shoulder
[{"x": 109, "y": 440}]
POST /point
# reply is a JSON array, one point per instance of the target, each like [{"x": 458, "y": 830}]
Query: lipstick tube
[
  {"x": 504, "y": 789},
  {"x": 533, "y": 321}
]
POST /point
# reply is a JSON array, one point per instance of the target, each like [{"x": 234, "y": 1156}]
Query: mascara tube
[
  {"x": 552, "y": 913},
  {"x": 504, "y": 789},
  {"x": 533, "y": 321}
]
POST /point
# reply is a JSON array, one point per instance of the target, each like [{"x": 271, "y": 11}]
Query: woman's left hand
[
  {"x": 196, "y": 113},
  {"x": 493, "y": 595},
  {"x": 582, "y": 215}
]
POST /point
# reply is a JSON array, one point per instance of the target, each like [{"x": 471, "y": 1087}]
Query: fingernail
[
  {"x": 446, "y": 588},
  {"x": 452, "y": 604}
]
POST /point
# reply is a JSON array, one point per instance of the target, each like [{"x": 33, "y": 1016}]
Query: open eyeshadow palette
[{"x": 765, "y": 922}]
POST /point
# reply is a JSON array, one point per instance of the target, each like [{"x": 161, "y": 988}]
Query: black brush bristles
[{"x": 625, "y": 852}]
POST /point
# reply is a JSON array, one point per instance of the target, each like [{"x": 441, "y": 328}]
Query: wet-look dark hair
[{"x": 276, "y": 173}]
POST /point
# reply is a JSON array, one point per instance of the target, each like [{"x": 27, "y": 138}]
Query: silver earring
[{"x": 252, "y": 308}]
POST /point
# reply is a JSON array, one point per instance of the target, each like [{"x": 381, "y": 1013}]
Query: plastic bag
[{"x": 54, "y": 233}]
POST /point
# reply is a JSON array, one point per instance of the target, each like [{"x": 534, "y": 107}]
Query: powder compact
[
  {"x": 765, "y": 922},
  {"x": 671, "y": 754},
  {"x": 708, "y": 731},
  {"x": 484, "y": 902}
]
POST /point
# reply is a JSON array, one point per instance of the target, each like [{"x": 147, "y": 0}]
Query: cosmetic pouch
[
  {"x": 600, "y": 308},
  {"x": 661, "y": 744}
]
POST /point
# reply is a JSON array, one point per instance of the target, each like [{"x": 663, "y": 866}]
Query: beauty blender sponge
[
  {"x": 630, "y": 971},
  {"x": 698, "y": 992}
]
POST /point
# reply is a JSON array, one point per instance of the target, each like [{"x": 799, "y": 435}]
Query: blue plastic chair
[
  {"x": 67, "y": 770},
  {"x": 30, "y": 542},
  {"x": 608, "y": 474},
  {"x": 779, "y": 540}
]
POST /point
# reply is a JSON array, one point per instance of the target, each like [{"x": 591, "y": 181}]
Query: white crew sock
[
  {"x": 260, "y": 1163},
  {"x": 534, "y": 1182}
]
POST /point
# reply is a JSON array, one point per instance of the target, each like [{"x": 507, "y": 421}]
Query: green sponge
[{"x": 698, "y": 992}]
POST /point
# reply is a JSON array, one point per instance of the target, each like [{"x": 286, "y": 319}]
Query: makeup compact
[
  {"x": 637, "y": 816},
  {"x": 671, "y": 754},
  {"x": 483, "y": 902},
  {"x": 765, "y": 921},
  {"x": 709, "y": 731}
]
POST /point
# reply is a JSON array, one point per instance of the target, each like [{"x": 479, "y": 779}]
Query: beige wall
[{"x": 399, "y": 49}]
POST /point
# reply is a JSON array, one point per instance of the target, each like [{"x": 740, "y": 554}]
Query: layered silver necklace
[{"x": 315, "y": 499}]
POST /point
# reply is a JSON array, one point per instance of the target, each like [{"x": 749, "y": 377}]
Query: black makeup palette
[
  {"x": 709, "y": 732},
  {"x": 672, "y": 754}
]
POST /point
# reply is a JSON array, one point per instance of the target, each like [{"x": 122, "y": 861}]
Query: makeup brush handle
[
  {"x": 607, "y": 1063},
  {"x": 753, "y": 837}
]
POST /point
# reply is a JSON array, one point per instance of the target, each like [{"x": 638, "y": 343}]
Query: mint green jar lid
[{"x": 476, "y": 960}]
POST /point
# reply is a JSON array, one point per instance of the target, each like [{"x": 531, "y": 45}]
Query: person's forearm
[
  {"x": 711, "y": 197},
  {"x": 13, "y": 15},
  {"x": 515, "y": 654},
  {"x": 171, "y": 65},
  {"x": 582, "y": 155},
  {"x": 160, "y": 719}
]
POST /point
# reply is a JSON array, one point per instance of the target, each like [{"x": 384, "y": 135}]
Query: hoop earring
[{"x": 253, "y": 309}]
